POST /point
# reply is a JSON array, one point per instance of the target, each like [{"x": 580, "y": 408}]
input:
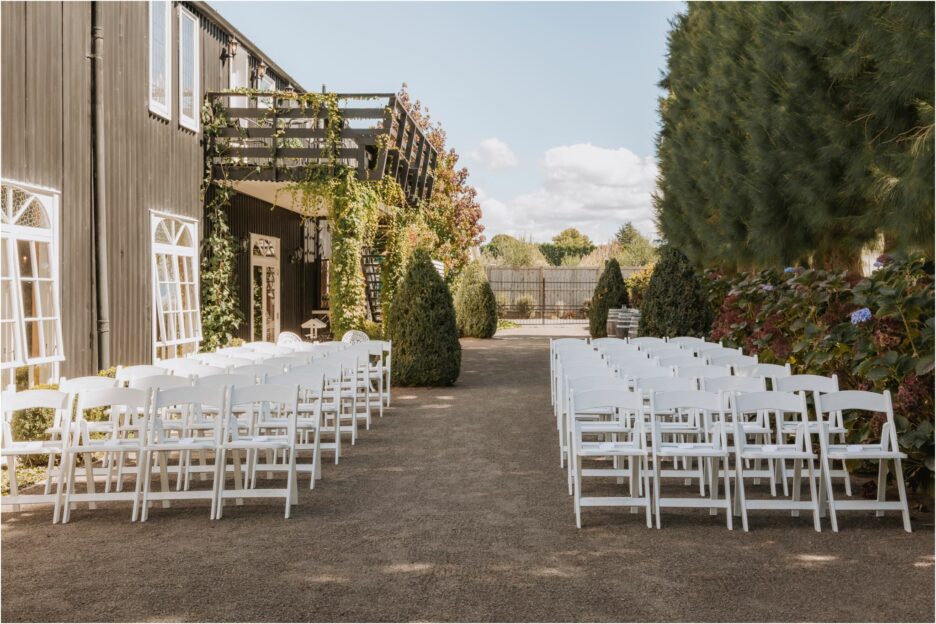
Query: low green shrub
[
  {"x": 637, "y": 285},
  {"x": 475, "y": 306},
  {"x": 524, "y": 306},
  {"x": 610, "y": 292},
  {"x": 674, "y": 303},
  {"x": 422, "y": 326}
]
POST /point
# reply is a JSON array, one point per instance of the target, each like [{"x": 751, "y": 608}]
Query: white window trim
[
  {"x": 156, "y": 107},
  {"x": 184, "y": 120},
  {"x": 18, "y": 232},
  {"x": 157, "y": 248}
]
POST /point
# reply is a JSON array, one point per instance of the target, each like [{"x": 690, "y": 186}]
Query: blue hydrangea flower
[
  {"x": 788, "y": 270},
  {"x": 767, "y": 287},
  {"x": 860, "y": 316},
  {"x": 877, "y": 264}
]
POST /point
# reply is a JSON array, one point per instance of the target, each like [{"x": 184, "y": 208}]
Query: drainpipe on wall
[{"x": 102, "y": 288}]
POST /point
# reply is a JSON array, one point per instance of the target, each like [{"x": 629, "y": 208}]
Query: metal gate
[{"x": 547, "y": 295}]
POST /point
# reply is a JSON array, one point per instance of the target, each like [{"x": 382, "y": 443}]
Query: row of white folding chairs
[
  {"x": 358, "y": 370},
  {"x": 142, "y": 424},
  {"x": 629, "y": 412}
]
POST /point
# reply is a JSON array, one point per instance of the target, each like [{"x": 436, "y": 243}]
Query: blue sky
[{"x": 552, "y": 106}]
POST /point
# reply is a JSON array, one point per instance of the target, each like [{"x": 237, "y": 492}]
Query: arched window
[
  {"x": 30, "y": 318},
  {"x": 176, "y": 312}
]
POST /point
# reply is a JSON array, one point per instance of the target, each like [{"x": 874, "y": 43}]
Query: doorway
[{"x": 264, "y": 287}]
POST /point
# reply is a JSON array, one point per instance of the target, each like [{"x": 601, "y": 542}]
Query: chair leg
[
  {"x": 829, "y": 501},
  {"x": 11, "y": 470},
  {"x": 727, "y": 492},
  {"x": 148, "y": 458},
  {"x": 646, "y": 489},
  {"x": 810, "y": 467},
  {"x": 578, "y": 492},
  {"x": 740, "y": 500},
  {"x": 136, "y": 487},
  {"x": 882, "y": 486},
  {"x": 656, "y": 489},
  {"x": 902, "y": 491},
  {"x": 797, "y": 483},
  {"x": 89, "y": 475},
  {"x": 712, "y": 465}
]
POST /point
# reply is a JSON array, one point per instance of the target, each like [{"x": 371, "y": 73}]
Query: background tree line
[
  {"x": 570, "y": 248},
  {"x": 796, "y": 133}
]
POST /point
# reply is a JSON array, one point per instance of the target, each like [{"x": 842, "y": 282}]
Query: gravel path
[{"x": 453, "y": 507}]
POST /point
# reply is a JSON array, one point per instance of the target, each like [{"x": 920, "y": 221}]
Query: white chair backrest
[
  {"x": 190, "y": 400},
  {"x": 130, "y": 401},
  {"x": 235, "y": 351},
  {"x": 646, "y": 341},
  {"x": 269, "y": 349},
  {"x": 772, "y": 371},
  {"x": 192, "y": 368},
  {"x": 164, "y": 382},
  {"x": 702, "y": 371},
  {"x": 686, "y": 341},
  {"x": 861, "y": 400},
  {"x": 12, "y": 401},
  {"x": 609, "y": 342},
  {"x": 665, "y": 350},
  {"x": 710, "y": 350},
  {"x": 285, "y": 362},
  {"x": 226, "y": 380},
  {"x": 640, "y": 370},
  {"x": 603, "y": 398},
  {"x": 630, "y": 359},
  {"x": 664, "y": 384},
  {"x": 597, "y": 382},
  {"x": 663, "y": 401},
  {"x": 234, "y": 362},
  {"x": 126, "y": 373},
  {"x": 217, "y": 360},
  {"x": 91, "y": 382},
  {"x": 681, "y": 360},
  {"x": 808, "y": 383},
  {"x": 777, "y": 403},
  {"x": 733, "y": 384},
  {"x": 734, "y": 360}
]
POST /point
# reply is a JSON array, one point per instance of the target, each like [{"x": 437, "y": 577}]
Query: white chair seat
[
  {"x": 109, "y": 445},
  {"x": 260, "y": 441},
  {"x": 690, "y": 449},
  {"x": 598, "y": 449},
  {"x": 32, "y": 447},
  {"x": 768, "y": 451},
  {"x": 790, "y": 428},
  {"x": 183, "y": 444},
  {"x": 867, "y": 451}
]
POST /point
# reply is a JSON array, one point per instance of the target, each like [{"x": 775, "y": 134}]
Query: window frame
[
  {"x": 51, "y": 235},
  {"x": 190, "y": 123},
  {"x": 156, "y": 107},
  {"x": 171, "y": 323}
]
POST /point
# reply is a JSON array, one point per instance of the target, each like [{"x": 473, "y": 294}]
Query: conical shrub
[
  {"x": 610, "y": 292},
  {"x": 674, "y": 303},
  {"x": 421, "y": 324},
  {"x": 475, "y": 306}
]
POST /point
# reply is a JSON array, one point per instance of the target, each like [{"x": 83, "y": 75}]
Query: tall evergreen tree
[{"x": 610, "y": 292}]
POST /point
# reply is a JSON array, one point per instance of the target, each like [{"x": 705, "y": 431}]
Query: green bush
[
  {"x": 674, "y": 303},
  {"x": 637, "y": 285},
  {"x": 422, "y": 326},
  {"x": 525, "y": 306},
  {"x": 610, "y": 292},
  {"x": 475, "y": 306}
]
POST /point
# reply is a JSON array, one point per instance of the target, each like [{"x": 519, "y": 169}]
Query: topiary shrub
[
  {"x": 674, "y": 302},
  {"x": 475, "y": 306},
  {"x": 610, "y": 292},
  {"x": 421, "y": 324}
]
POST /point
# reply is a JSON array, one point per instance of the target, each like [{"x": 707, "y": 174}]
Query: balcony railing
[{"x": 275, "y": 140}]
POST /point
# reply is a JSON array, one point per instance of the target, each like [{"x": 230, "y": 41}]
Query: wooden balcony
[{"x": 268, "y": 139}]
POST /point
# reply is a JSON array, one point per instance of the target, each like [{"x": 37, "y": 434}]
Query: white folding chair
[
  {"x": 562, "y": 345},
  {"x": 328, "y": 402},
  {"x": 686, "y": 341},
  {"x": 128, "y": 439},
  {"x": 583, "y": 369},
  {"x": 887, "y": 450},
  {"x": 711, "y": 407},
  {"x": 311, "y": 383},
  {"x": 816, "y": 385},
  {"x": 268, "y": 348},
  {"x": 258, "y": 371},
  {"x": 686, "y": 359},
  {"x": 710, "y": 350},
  {"x": 799, "y": 452},
  {"x": 609, "y": 342},
  {"x": 190, "y": 401},
  {"x": 259, "y": 400},
  {"x": 661, "y": 351},
  {"x": 195, "y": 369},
  {"x": 12, "y": 449},
  {"x": 628, "y": 439},
  {"x": 702, "y": 371},
  {"x": 771, "y": 372}
]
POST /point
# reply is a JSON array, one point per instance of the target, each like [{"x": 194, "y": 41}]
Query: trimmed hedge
[
  {"x": 475, "y": 306},
  {"x": 674, "y": 303},
  {"x": 610, "y": 292},
  {"x": 421, "y": 324}
]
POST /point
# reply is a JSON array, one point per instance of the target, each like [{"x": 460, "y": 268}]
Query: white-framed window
[
  {"x": 30, "y": 312},
  {"x": 176, "y": 311},
  {"x": 189, "y": 59},
  {"x": 160, "y": 58}
]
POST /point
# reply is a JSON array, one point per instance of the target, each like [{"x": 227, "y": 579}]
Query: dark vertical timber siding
[
  {"x": 249, "y": 215},
  {"x": 46, "y": 142}
]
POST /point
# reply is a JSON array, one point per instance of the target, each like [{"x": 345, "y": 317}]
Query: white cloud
[
  {"x": 494, "y": 153},
  {"x": 590, "y": 188}
]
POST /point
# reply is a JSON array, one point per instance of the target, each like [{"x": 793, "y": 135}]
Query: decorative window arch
[
  {"x": 176, "y": 310},
  {"x": 30, "y": 312}
]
